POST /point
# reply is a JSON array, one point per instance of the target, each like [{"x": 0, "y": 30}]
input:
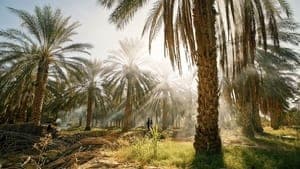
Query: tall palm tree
[
  {"x": 46, "y": 43},
  {"x": 191, "y": 24},
  {"x": 128, "y": 77}
]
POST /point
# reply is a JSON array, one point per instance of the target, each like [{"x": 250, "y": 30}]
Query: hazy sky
[{"x": 95, "y": 28}]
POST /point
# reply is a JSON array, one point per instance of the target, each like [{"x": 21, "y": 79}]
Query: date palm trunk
[
  {"x": 128, "y": 108},
  {"x": 165, "y": 116},
  {"x": 246, "y": 120},
  {"x": 256, "y": 120},
  {"x": 255, "y": 110},
  {"x": 275, "y": 116},
  {"x": 89, "y": 111},
  {"x": 39, "y": 91},
  {"x": 207, "y": 138},
  {"x": 246, "y": 101}
]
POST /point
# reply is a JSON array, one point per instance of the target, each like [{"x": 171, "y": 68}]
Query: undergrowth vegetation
[{"x": 264, "y": 152}]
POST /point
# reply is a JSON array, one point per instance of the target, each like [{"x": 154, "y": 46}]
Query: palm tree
[
  {"x": 128, "y": 77},
  {"x": 274, "y": 100},
  {"x": 257, "y": 83},
  {"x": 277, "y": 82},
  {"x": 166, "y": 98},
  {"x": 277, "y": 65},
  {"x": 274, "y": 89},
  {"x": 46, "y": 43},
  {"x": 96, "y": 95},
  {"x": 16, "y": 83},
  {"x": 191, "y": 24},
  {"x": 243, "y": 99},
  {"x": 87, "y": 90}
]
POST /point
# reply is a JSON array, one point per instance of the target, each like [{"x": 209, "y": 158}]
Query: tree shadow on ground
[
  {"x": 271, "y": 152},
  {"x": 208, "y": 161}
]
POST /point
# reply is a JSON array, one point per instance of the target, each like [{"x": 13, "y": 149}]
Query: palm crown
[
  {"x": 127, "y": 76},
  {"x": 44, "y": 47}
]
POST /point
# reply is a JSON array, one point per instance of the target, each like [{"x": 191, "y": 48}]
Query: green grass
[
  {"x": 282, "y": 131},
  {"x": 170, "y": 153},
  {"x": 265, "y": 152},
  {"x": 249, "y": 157}
]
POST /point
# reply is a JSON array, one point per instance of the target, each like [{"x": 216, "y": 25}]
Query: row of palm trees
[
  {"x": 41, "y": 74},
  {"x": 45, "y": 72},
  {"x": 205, "y": 28},
  {"x": 268, "y": 85}
]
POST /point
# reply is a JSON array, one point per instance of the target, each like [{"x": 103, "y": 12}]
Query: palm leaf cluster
[
  {"x": 270, "y": 81},
  {"x": 37, "y": 54}
]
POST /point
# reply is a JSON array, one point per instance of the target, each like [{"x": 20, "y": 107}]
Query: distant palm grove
[{"x": 244, "y": 69}]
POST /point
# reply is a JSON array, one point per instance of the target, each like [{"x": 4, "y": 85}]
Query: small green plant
[{"x": 155, "y": 139}]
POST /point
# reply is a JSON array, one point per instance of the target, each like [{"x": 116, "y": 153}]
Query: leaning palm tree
[
  {"x": 191, "y": 24},
  {"x": 45, "y": 43},
  {"x": 128, "y": 77}
]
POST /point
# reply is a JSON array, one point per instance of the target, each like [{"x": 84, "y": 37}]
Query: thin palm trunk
[
  {"x": 128, "y": 108},
  {"x": 89, "y": 110},
  {"x": 128, "y": 114},
  {"x": 275, "y": 120},
  {"x": 275, "y": 115},
  {"x": 246, "y": 120},
  {"x": 246, "y": 102},
  {"x": 39, "y": 93},
  {"x": 255, "y": 110},
  {"x": 256, "y": 121},
  {"x": 165, "y": 116},
  {"x": 207, "y": 138}
]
